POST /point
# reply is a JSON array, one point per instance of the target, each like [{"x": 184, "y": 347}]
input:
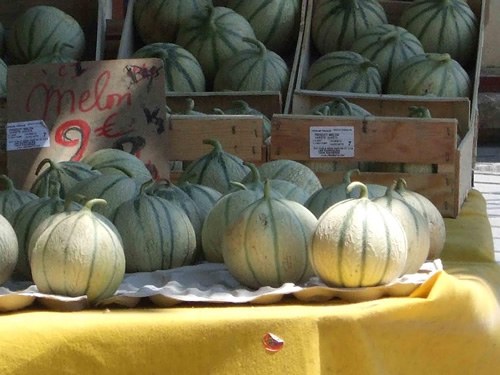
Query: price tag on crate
[{"x": 331, "y": 141}]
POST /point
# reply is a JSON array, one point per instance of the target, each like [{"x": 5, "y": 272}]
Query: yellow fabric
[{"x": 449, "y": 325}]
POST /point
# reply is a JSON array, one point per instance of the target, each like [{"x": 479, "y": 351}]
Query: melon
[
  {"x": 446, "y": 26},
  {"x": 113, "y": 161},
  {"x": 57, "y": 56},
  {"x": 253, "y": 69},
  {"x": 336, "y": 24},
  {"x": 160, "y": 20},
  {"x": 37, "y": 31},
  {"x": 157, "y": 235},
  {"x": 183, "y": 72},
  {"x": 3, "y": 79},
  {"x": 339, "y": 107},
  {"x": 214, "y": 37},
  {"x": 344, "y": 71},
  {"x": 215, "y": 169},
  {"x": 326, "y": 197},
  {"x": 189, "y": 111},
  {"x": 388, "y": 46},
  {"x": 415, "y": 226},
  {"x": 203, "y": 196},
  {"x": 241, "y": 107},
  {"x": 275, "y": 22},
  {"x": 80, "y": 255},
  {"x": 290, "y": 171},
  {"x": 358, "y": 243},
  {"x": 27, "y": 218},
  {"x": 67, "y": 173},
  {"x": 114, "y": 189},
  {"x": 430, "y": 74},
  {"x": 268, "y": 243},
  {"x": 8, "y": 250},
  {"x": 11, "y": 198},
  {"x": 431, "y": 214}
]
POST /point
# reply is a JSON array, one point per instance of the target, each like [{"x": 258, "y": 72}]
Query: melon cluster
[
  {"x": 235, "y": 45},
  {"x": 41, "y": 35},
  {"x": 424, "y": 54}
]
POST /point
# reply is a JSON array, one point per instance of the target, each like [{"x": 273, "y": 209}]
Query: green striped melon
[
  {"x": 183, "y": 72},
  {"x": 214, "y": 37},
  {"x": 443, "y": 26},
  {"x": 38, "y": 30},
  {"x": 80, "y": 255},
  {"x": 160, "y": 20},
  {"x": 388, "y": 46},
  {"x": 344, "y": 71},
  {"x": 27, "y": 218},
  {"x": 268, "y": 243},
  {"x": 432, "y": 215},
  {"x": 253, "y": 69},
  {"x": 8, "y": 250},
  {"x": 216, "y": 169},
  {"x": 203, "y": 196},
  {"x": 358, "y": 243},
  {"x": 430, "y": 74},
  {"x": 291, "y": 171},
  {"x": 220, "y": 218},
  {"x": 241, "y": 107},
  {"x": 328, "y": 196},
  {"x": 113, "y": 161},
  {"x": 336, "y": 24},
  {"x": 415, "y": 226},
  {"x": 275, "y": 22},
  {"x": 189, "y": 111},
  {"x": 114, "y": 189},
  {"x": 3, "y": 79},
  {"x": 339, "y": 107},
  {"x": 57, "y": 56},
  {"x": 157, "y": 235},
  {"x": 67, "y": 173},
  {"x": 11, "y": 198}
]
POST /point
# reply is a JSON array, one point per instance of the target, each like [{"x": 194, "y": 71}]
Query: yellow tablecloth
[{"x": 449, "y": 325}]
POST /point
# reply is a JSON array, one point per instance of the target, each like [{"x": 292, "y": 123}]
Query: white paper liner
[{"x": 208, "y": 283}]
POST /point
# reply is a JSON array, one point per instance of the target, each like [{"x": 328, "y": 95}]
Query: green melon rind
[
  {"x": 203, "y": 196},
  {"x": 3, "y": 79},
  {"x": 12, "y": 199},
  {"x": 339, "y": 107},
  {"x": 37, "y": 31},
  {"x": 8, "y": 250},
  {"x": 336, "y": 24},
  {"x": 183, "y": 72}
]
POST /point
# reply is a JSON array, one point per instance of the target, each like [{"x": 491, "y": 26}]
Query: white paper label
[
  {"x": 27, "y": 134},
  {"x": 331, "y": 142}
]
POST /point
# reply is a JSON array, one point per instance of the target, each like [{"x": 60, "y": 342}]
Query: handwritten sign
[{"x": 88, "y": 106}]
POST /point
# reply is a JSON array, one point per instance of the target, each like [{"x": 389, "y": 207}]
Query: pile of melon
[
  {"x": 425, "y": 52},
  {"x": 41, "y": 35},
  {"x": 84, "y": 224},
  {"x": 235, "y": 45}
]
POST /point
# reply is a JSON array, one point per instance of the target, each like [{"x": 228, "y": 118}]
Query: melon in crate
[
  {"x": 214, "y": 37},
  {"x": 430, "y": 74},
  {"x": 444, "y": 27},
  {"x": 339, "y": 107},
  {"x": 80, "y": 254},
  {"x": 344, "y": 71},
  {"x": 159, "y": 20},
  {"x": 11, "y": 198},
  {"x": 268, "y": 243},
  {"x": 388, "y": 46},
  {"x": 336, "y": 24},
  {"x": 253, "y": 69},
  {"x": 8, "y": 250},
  {"x": 358, "y": 243},
  {"x": 37, "y": 31},
  {"x": 275, "y": 22},
  {"x": 57, "y": 56},
  {"x": 3, "y": 79},
  {"x": 183, "y": 72}
]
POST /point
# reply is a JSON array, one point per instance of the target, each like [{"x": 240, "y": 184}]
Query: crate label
[
  {"x": 26, "y": 135},
  {"x": 331, "y": 142}
]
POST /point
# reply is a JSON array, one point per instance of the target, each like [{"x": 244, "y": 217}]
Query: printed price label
[
  {"x": 331, "y": 142},
  {"x": 27, "y": 134}
]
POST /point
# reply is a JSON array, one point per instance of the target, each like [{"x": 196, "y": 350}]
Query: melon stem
[
  {"x": 344, "y": 103},
  {"x": 267, "y": 189},
  {"x": 439, "y": 57},
  {"x": 419, "y": 112},
  {"x": 362, "y": 187},
  {"x": 262, "y": 48},
  {"x": 347, "y": 176},
  {"x": 91, "y": 203},
  {"x": 242, "y": 106},
  {"x": 146, "y": 185},
  {"x": 401, "y": 185},
  {"x": 367, "y": 65},
  {"x": 238, "y": 185},
  {"x": 255, "y": 174},
  {"x": 215, "y": 143},
  {"x": 52, "y": 164},
  {"x": 391, "y": 35},
  {"x": 8, "y": 181}
]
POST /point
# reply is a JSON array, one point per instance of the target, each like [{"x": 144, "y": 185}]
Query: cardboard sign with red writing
[{"x": 67, "y": 111}]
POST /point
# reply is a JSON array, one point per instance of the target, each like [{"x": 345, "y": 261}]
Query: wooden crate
[
  {"x": 3, "y": 138},
  {"x": 388, "y": 140},
  {"x": 266, "y": 102}
]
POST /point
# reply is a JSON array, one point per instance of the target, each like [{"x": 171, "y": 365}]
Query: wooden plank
[
  {"x": 239, "y": 135},
  {"x": 3, "y": 137},
  {"x": 423, "y": 141}
]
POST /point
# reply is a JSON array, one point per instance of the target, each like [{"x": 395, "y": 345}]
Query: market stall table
[{"x": 448, "y": 325}]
